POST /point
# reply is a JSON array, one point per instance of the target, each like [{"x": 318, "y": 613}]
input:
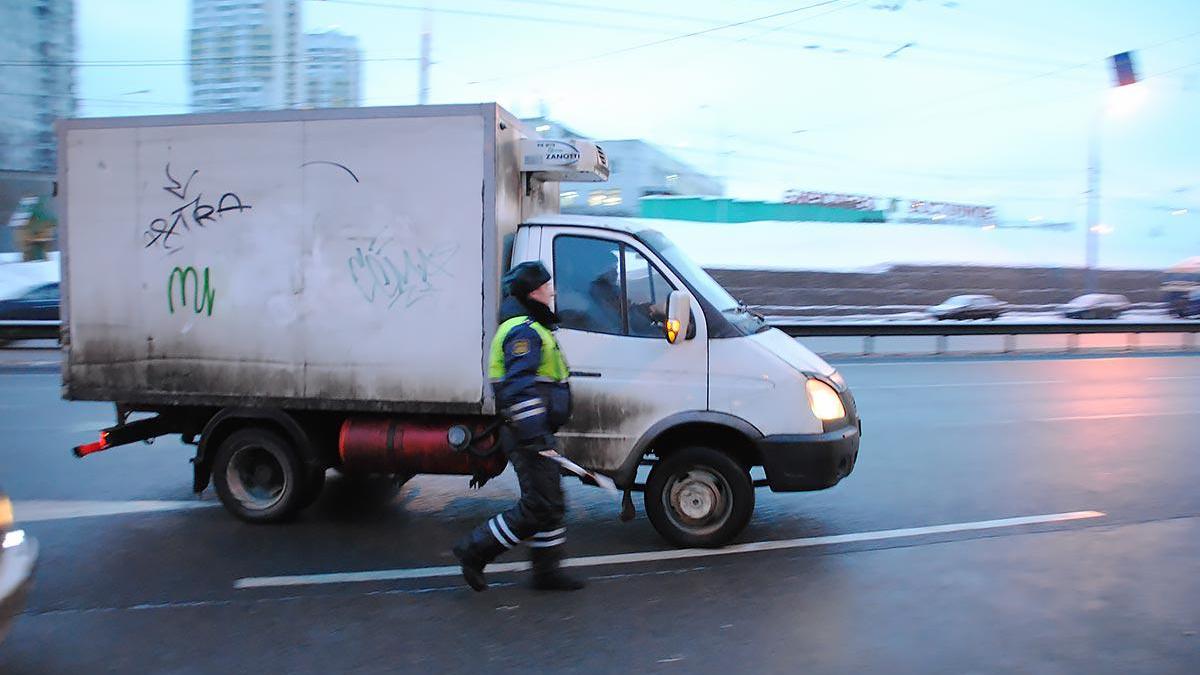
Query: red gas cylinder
[{"x": 383, "y": 445}]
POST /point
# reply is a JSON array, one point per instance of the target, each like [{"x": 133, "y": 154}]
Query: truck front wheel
[
  {"x": 699, "y": 497},
  {"x": 260, "y": 477}
]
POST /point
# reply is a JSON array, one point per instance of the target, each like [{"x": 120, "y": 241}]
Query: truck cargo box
[{"x": 323, "y": 259}]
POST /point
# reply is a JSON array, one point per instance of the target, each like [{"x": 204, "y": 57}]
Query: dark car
[
  {"x": 40, "y": 303},
  {"x": 18, "y": 555},
  {"x": 1096, "y": 306},
  {"x": 1191, "y": 304},
  {"x": 969, "y": 307}
]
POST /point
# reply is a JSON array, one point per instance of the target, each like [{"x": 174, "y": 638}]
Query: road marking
[
  {"x": 37, "y": 510},
  {"x": 840, "y": 361},
  {"x": 654, "y": 556},
  {"x": 1175, "y": 377},
  {"x": 1011, "y": 383},
  {"x": 1113, "y": 416}
]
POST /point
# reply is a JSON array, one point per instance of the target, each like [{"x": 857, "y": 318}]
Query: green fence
[{"x": 722, "y": 210}]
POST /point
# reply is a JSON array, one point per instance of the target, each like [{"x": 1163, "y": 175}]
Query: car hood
[{"x": 791, "y": 352}]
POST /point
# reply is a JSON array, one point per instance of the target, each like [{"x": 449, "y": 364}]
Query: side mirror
[{"x": 679, "y": 316}]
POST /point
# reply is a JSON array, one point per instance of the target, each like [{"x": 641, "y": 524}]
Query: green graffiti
[{"x": 202, "y": 297}]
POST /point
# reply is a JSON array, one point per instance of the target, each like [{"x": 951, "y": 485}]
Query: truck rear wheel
[
  {"x": 699, "y": 497},
  {"x": 260, "y": 477}
]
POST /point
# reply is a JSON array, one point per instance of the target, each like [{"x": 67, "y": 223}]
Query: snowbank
[{"x": 871, "y": 247}]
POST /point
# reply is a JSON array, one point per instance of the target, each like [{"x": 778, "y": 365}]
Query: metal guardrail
[
  {"x": 49, "y": 330},
  {"x": 946, "y": 329},
  {"x": 29, "y": 330}
]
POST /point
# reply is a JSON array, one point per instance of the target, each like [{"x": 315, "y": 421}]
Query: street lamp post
[
  {"x": 1092, "y": 234},
  {"x": 1122, "y": 65}
]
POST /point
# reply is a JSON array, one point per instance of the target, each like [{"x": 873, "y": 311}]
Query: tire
[
  {"x": 716, "y": 490},
  {"x": 259, "y": 476}
]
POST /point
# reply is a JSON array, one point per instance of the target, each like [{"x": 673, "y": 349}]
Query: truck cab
[{"x": 730, "y": 394}]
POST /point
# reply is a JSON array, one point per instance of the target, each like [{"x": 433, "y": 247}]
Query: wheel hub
[
  {"x": 697, "y": 496},
  {"x": 256, "y": 477}
]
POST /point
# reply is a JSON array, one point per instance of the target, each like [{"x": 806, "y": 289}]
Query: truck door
[{"x": 625, "y": 376}]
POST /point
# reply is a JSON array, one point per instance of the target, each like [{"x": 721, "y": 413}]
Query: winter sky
[{"x": 973, "y": 101}]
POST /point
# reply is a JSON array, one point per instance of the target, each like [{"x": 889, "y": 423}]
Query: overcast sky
[{"x": 980, "y": 101}]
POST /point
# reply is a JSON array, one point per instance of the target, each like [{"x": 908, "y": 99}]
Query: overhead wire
[{"x": 956, "y": 56}]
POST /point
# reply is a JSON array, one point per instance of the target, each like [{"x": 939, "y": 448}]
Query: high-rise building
[
  {"x": 331, "y": 68},
  {"x": 37, "y": 74},
  {"x": 246, "y": 55}
]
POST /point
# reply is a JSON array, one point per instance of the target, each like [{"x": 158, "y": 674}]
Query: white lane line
[
  {"x": 37, "y": 510},
  {"x": 1174, "y": 377},
  {"x": 1116, "y": 416},
  {"x": 1065, "y": 418},
  {"x": 1014, "y": 383},
  {"x": 981, "y": 359},
  {"x": 654, "y": 556},
  {"x": 972, "y": 385}
]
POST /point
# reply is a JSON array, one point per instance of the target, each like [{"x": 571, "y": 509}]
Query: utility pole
[
  {"x": 1124, "y": 76},
  {"x": 426, "y": 40},
  {"x": 1092, "y": 227}
]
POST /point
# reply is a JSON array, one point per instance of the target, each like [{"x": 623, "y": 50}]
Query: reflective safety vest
[{"x": 553, "y": 367}]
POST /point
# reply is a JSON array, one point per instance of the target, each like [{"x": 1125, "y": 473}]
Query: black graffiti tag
[{"x": 194, "y": 213}]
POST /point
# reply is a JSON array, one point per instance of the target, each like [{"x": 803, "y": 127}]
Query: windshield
[{"x": 745, "y": 320}]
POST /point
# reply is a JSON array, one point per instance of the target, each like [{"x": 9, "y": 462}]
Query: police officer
[{"x": 529, "y": 378}]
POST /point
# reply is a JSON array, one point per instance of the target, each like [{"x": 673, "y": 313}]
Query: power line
[
  {"x": 789, "y": 25},
  {"x": 674, "y": 38},
  {"x": 218, "y": 60},
  {"x": 959, "y": 97},
  {"x": 1052, "y": 99},
  {"x": 957, "y": 62},
  {"x": 95, "y": 100},
  {"x": 853, "y": 38}
]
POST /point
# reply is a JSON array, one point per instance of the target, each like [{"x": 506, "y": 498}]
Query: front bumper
[
  {"x": 16, "y": 576},
  {"x": 796, "y": 462}
]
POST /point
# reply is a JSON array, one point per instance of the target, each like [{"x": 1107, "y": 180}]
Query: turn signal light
[
  {"x": 6, "y": 513},
  {"x": 824, "y": 401},
  {"x": 672, "y": 330}
]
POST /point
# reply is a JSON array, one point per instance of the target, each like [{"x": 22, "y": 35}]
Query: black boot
[
  {"x": 474, "y": 552},
  {"x": 548, "y": 574}
]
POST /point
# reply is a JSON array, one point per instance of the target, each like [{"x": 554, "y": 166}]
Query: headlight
[
  {"x": 824, "y": 401},
  {"x": 14, "y": 538}
]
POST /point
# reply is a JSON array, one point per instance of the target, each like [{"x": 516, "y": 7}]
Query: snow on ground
[{"x": 874, "y": 247}]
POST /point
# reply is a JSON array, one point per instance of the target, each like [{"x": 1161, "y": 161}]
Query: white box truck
[{"x": 301, "y": 290}]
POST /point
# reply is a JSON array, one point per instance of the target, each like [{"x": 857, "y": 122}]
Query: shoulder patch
[{"x": 520, "y": 347}]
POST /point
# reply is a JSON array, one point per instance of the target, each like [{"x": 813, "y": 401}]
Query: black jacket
[{"x": 534, "y": 407}]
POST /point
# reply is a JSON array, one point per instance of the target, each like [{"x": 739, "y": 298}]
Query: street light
[{"x": 1125, "y": 96}]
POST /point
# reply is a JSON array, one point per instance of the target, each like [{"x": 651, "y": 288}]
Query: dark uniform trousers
[{"x": 537, "y": 519}]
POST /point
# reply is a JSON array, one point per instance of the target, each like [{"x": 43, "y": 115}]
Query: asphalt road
[{"x": 901, "y": 568}]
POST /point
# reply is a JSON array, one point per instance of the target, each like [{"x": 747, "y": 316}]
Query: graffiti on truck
[
  {"x": 202, "y": 294},
  {"x": 166, "y": 232},
  {"x": 406, "y": 279}
]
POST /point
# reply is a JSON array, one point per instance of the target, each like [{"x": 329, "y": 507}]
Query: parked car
[
  {"x": 1191, "y": 307},
  {"x": 1096, "y": 306},
  {"x": 18, "y": 555},
  {"x": 969, "y": 307},
  {"x": 40, "y": 303}
]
